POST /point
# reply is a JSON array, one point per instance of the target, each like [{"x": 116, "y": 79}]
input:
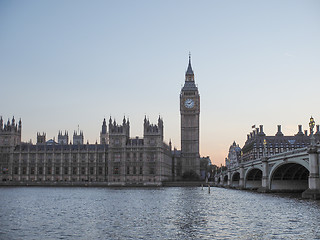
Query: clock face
[{"x": 189, "y": 103}]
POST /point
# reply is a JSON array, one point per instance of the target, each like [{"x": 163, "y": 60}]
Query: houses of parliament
[{"x": 117, "y": 159}]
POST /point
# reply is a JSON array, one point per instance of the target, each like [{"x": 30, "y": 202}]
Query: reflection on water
[{"x": 154, "y": 213}]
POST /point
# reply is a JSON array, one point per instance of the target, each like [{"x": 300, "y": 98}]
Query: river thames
[{"x": 154, "y": 213}]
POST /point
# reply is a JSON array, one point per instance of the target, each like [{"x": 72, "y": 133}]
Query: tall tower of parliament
[{"x": 190, "y": 111}]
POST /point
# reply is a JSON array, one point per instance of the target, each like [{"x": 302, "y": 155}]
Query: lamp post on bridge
[
  {"x": 311, "y": 125},
  {"x": 264, "y": 148},
  {"x": 314, "y": 179}
]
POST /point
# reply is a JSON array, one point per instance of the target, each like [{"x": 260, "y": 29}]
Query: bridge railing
[
  {"x": 289, "y": 154},
  {"x": 282, "y": 154}
]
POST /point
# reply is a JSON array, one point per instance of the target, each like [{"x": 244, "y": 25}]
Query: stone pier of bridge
[{"x": 313, "y": 190}]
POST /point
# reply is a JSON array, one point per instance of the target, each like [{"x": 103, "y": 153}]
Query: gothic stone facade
[
  {"x": 122, "y": 161},
  {"x": 117, "y": 160}
]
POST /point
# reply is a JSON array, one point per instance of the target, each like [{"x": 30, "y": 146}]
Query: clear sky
[{"x": 70, "y": 63}]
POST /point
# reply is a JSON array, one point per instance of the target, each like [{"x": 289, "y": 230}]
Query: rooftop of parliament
[{"x": 116, "y": 160}]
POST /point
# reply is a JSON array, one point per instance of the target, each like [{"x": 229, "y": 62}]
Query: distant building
[
  {"x": 234, "y": 156},
  {"x": 258, "y": 143}
]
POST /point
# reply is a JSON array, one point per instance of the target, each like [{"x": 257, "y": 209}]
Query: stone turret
[
  {"x": 153, "y": 134},
  {"x": 63, "y": 138},
  {"x": 78, "y": 137},
  {"x": 104, "y": 134},
  {"x": 10, "y": 133},
  {"x": 41, "y": 138},
  {"x": 119, "y": 134}
]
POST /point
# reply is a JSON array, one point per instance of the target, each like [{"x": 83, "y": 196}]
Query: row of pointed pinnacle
[{"x": 10, "y": 126}]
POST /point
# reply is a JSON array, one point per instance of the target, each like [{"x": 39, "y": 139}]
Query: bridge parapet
[
  {"x": 291, "y": 154},
  {"x": 288, "y": 154}
]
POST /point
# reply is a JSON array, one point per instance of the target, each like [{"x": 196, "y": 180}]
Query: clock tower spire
[
  {"x": 189, "y": 113},
  {"x": 189, "y": 72}
]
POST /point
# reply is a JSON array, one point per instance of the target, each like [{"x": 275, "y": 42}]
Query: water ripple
[{"x": 161, "y": 213}]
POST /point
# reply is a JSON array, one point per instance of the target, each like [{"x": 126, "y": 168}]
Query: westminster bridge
[{"x": 296, "y": 170}]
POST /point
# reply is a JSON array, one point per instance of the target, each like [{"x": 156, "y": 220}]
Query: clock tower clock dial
[
  {"x": 189, "y": 113},
  {"x": 189, "y": 103}
]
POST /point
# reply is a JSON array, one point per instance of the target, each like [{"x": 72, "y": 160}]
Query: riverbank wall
[{"x": 106, "y": 184}]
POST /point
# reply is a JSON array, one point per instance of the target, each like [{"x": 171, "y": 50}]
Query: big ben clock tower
[{"x": 189, "y": 111}]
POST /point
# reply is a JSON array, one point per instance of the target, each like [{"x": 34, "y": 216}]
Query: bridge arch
[
  {"x": 289, "y": 176},
  {"x": 253, "y": 178},
  {"x": 225, "y": 180},
  {"x": 235, "y": 178}
]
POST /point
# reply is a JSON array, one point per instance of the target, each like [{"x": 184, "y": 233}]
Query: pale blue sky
[{"x": 64, "y": 63}]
